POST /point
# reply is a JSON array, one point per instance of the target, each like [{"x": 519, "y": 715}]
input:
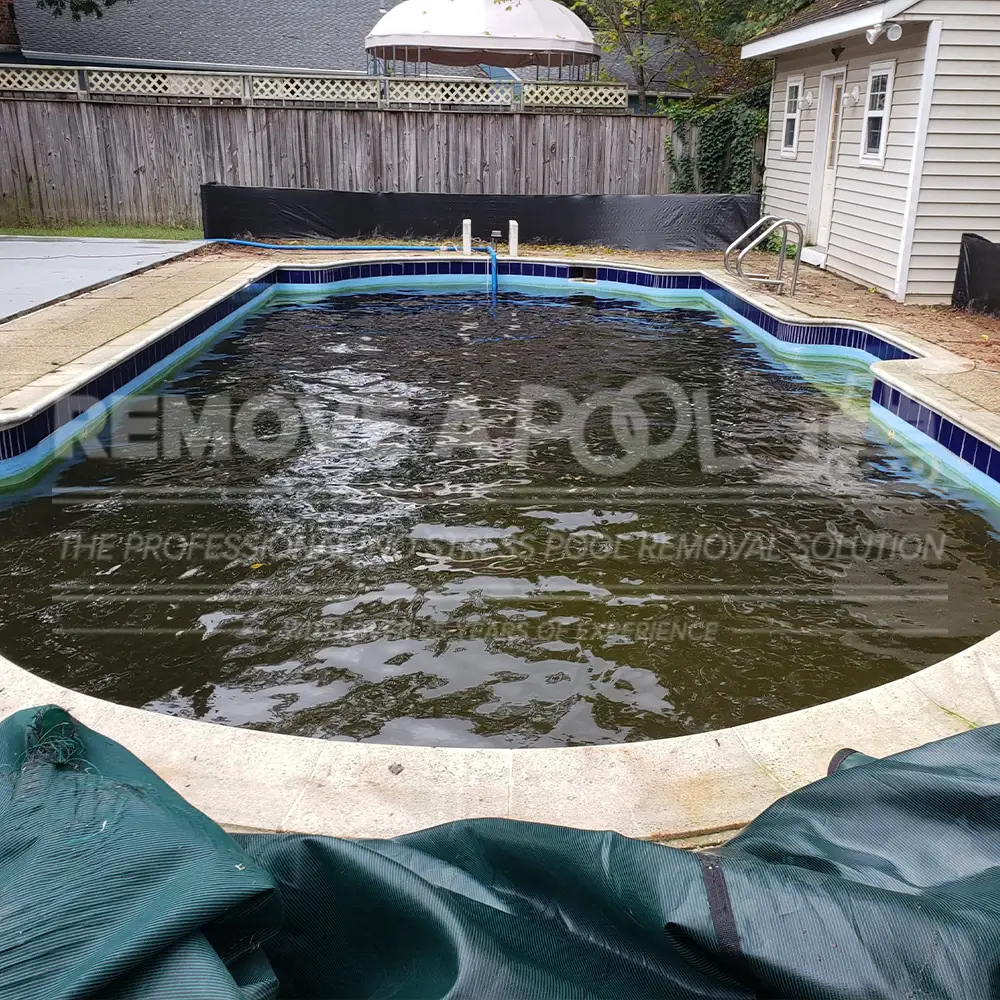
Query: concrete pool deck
[
  {"x": 40, "y": 269},
  {"x": 688, "y": 790}
]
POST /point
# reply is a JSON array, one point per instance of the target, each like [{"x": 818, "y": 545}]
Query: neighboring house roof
[
  {"x": 241, "y": 34},
  {"x": 264, "y": 35}
]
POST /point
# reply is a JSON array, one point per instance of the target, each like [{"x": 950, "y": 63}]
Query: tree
[
  {"x": 627, "y": 25},
  {"x": 724, "y": 157},
  {"x": 712, "y": 32},
  {"x": 77, "y": 9}
]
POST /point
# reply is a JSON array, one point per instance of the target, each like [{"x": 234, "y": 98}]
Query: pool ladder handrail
[{"x": 773, "y": 224}]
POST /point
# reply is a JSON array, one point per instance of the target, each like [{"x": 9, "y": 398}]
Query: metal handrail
[
  {"x": 731, "y": 249},
  {"x": 763, "y": 279}
]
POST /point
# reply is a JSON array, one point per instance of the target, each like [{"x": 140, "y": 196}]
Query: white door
[{"x": 836, "y": 97}]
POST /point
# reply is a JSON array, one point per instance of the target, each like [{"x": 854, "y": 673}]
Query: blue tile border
[
  {"x": 21, "y": 438},
  {"x": 985, "y": 458},
  {"x": 980, "y": 454}
]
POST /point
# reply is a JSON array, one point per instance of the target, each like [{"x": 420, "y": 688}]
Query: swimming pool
[{"x": 568, "y": 520}]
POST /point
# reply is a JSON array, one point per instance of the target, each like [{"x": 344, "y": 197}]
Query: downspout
[{"x": 912, "y": 203}]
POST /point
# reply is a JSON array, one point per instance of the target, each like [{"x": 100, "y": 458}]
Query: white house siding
[
  {"x": 786, "y": 181},
  {"x": 960, "y": 182},
  {"x": 869, "y": 202}
]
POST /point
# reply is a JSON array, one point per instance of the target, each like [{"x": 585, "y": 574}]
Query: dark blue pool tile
[
  {"x": 969, "y": 447},
  {"x": 982, "y": 459},
  {"x": 994, "y": 467},
  {"x": 922, "y": 419},
  {"x": 908, "y": 409},
  {"x": 877, "y": 389},
  {"x": 957, "y": 441},
  {"x": 933, "y": 424},
  {"x": 944, "y": 432}
]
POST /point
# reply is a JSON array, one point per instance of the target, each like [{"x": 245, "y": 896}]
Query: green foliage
[
  {"x": 726, "y": 156},
  {"x": 711, "y": 32},
  {"x": 103, "y": 229},
  {"x": 773, "y": 245},
  {"x": 77, "y": 9},
  {"x": 624, "y": 25},
  {"x": 758, "y": 16}
]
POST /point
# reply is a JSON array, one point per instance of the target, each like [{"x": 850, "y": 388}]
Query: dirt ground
[{"x": 819, "y": 294}]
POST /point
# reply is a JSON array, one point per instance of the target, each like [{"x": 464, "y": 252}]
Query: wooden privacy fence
[{"x": 89, "y": 161}]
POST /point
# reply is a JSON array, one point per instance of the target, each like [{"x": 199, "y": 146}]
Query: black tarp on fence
[
  {"x": 977, "y": 284},
  {"x": 628, "y": 222}
]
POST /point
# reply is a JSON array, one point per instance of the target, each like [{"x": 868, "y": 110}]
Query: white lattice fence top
[
  {"x": 444, "y": 92},
  {"x": 575, "y": 95},
  {"x": 43, "y": 79},
  {"x": 316, "y": 88},
  {"x": 152, "y": 84},
  {"x": 460, "y": 92}
]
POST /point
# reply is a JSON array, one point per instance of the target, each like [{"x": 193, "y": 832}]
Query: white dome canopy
[{"x": 469, "y": 32}]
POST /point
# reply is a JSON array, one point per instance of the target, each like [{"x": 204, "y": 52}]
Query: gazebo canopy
[{"x": 470, "y": 32}]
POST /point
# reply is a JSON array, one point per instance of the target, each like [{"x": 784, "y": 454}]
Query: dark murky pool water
[{"x": 570, "y": 521}]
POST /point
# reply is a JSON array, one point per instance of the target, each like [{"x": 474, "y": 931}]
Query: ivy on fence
[{"x": 714, "y": 143}]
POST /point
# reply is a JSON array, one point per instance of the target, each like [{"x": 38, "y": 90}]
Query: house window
[
  {"x": 878, "y": 103},
  {"x": 790, "y": 118}
]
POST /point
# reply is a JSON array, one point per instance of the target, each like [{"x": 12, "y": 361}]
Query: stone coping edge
[{"x": 689, "y": 789}]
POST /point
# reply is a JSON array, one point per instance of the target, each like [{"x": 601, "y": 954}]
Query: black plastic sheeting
[
  {"x": 878, "y": 882},
  {"x": 977, "y": 284},
  {"x": 627, "y": 222}
]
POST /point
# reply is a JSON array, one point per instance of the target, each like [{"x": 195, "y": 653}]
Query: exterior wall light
[
  {"x": 892, "y": 31},
  {"x": 874, "y": 33}
]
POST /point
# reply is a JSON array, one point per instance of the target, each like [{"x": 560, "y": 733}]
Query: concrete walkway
[
  {"x": 41, "y": 342},
  {"x": 35, "y": 270}
]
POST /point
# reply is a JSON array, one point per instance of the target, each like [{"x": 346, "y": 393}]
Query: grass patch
[{"x": 112, "y": 230}]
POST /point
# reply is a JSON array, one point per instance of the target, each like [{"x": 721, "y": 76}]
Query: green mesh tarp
[{"x": 879, "y": 881}]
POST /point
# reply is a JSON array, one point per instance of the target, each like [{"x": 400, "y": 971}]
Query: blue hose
[{"x": 494, "y": 281}]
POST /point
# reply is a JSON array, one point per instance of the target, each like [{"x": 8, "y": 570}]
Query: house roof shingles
[
  {"x": 245, "y": 34},
  {"x": 818, "y": 10}
]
